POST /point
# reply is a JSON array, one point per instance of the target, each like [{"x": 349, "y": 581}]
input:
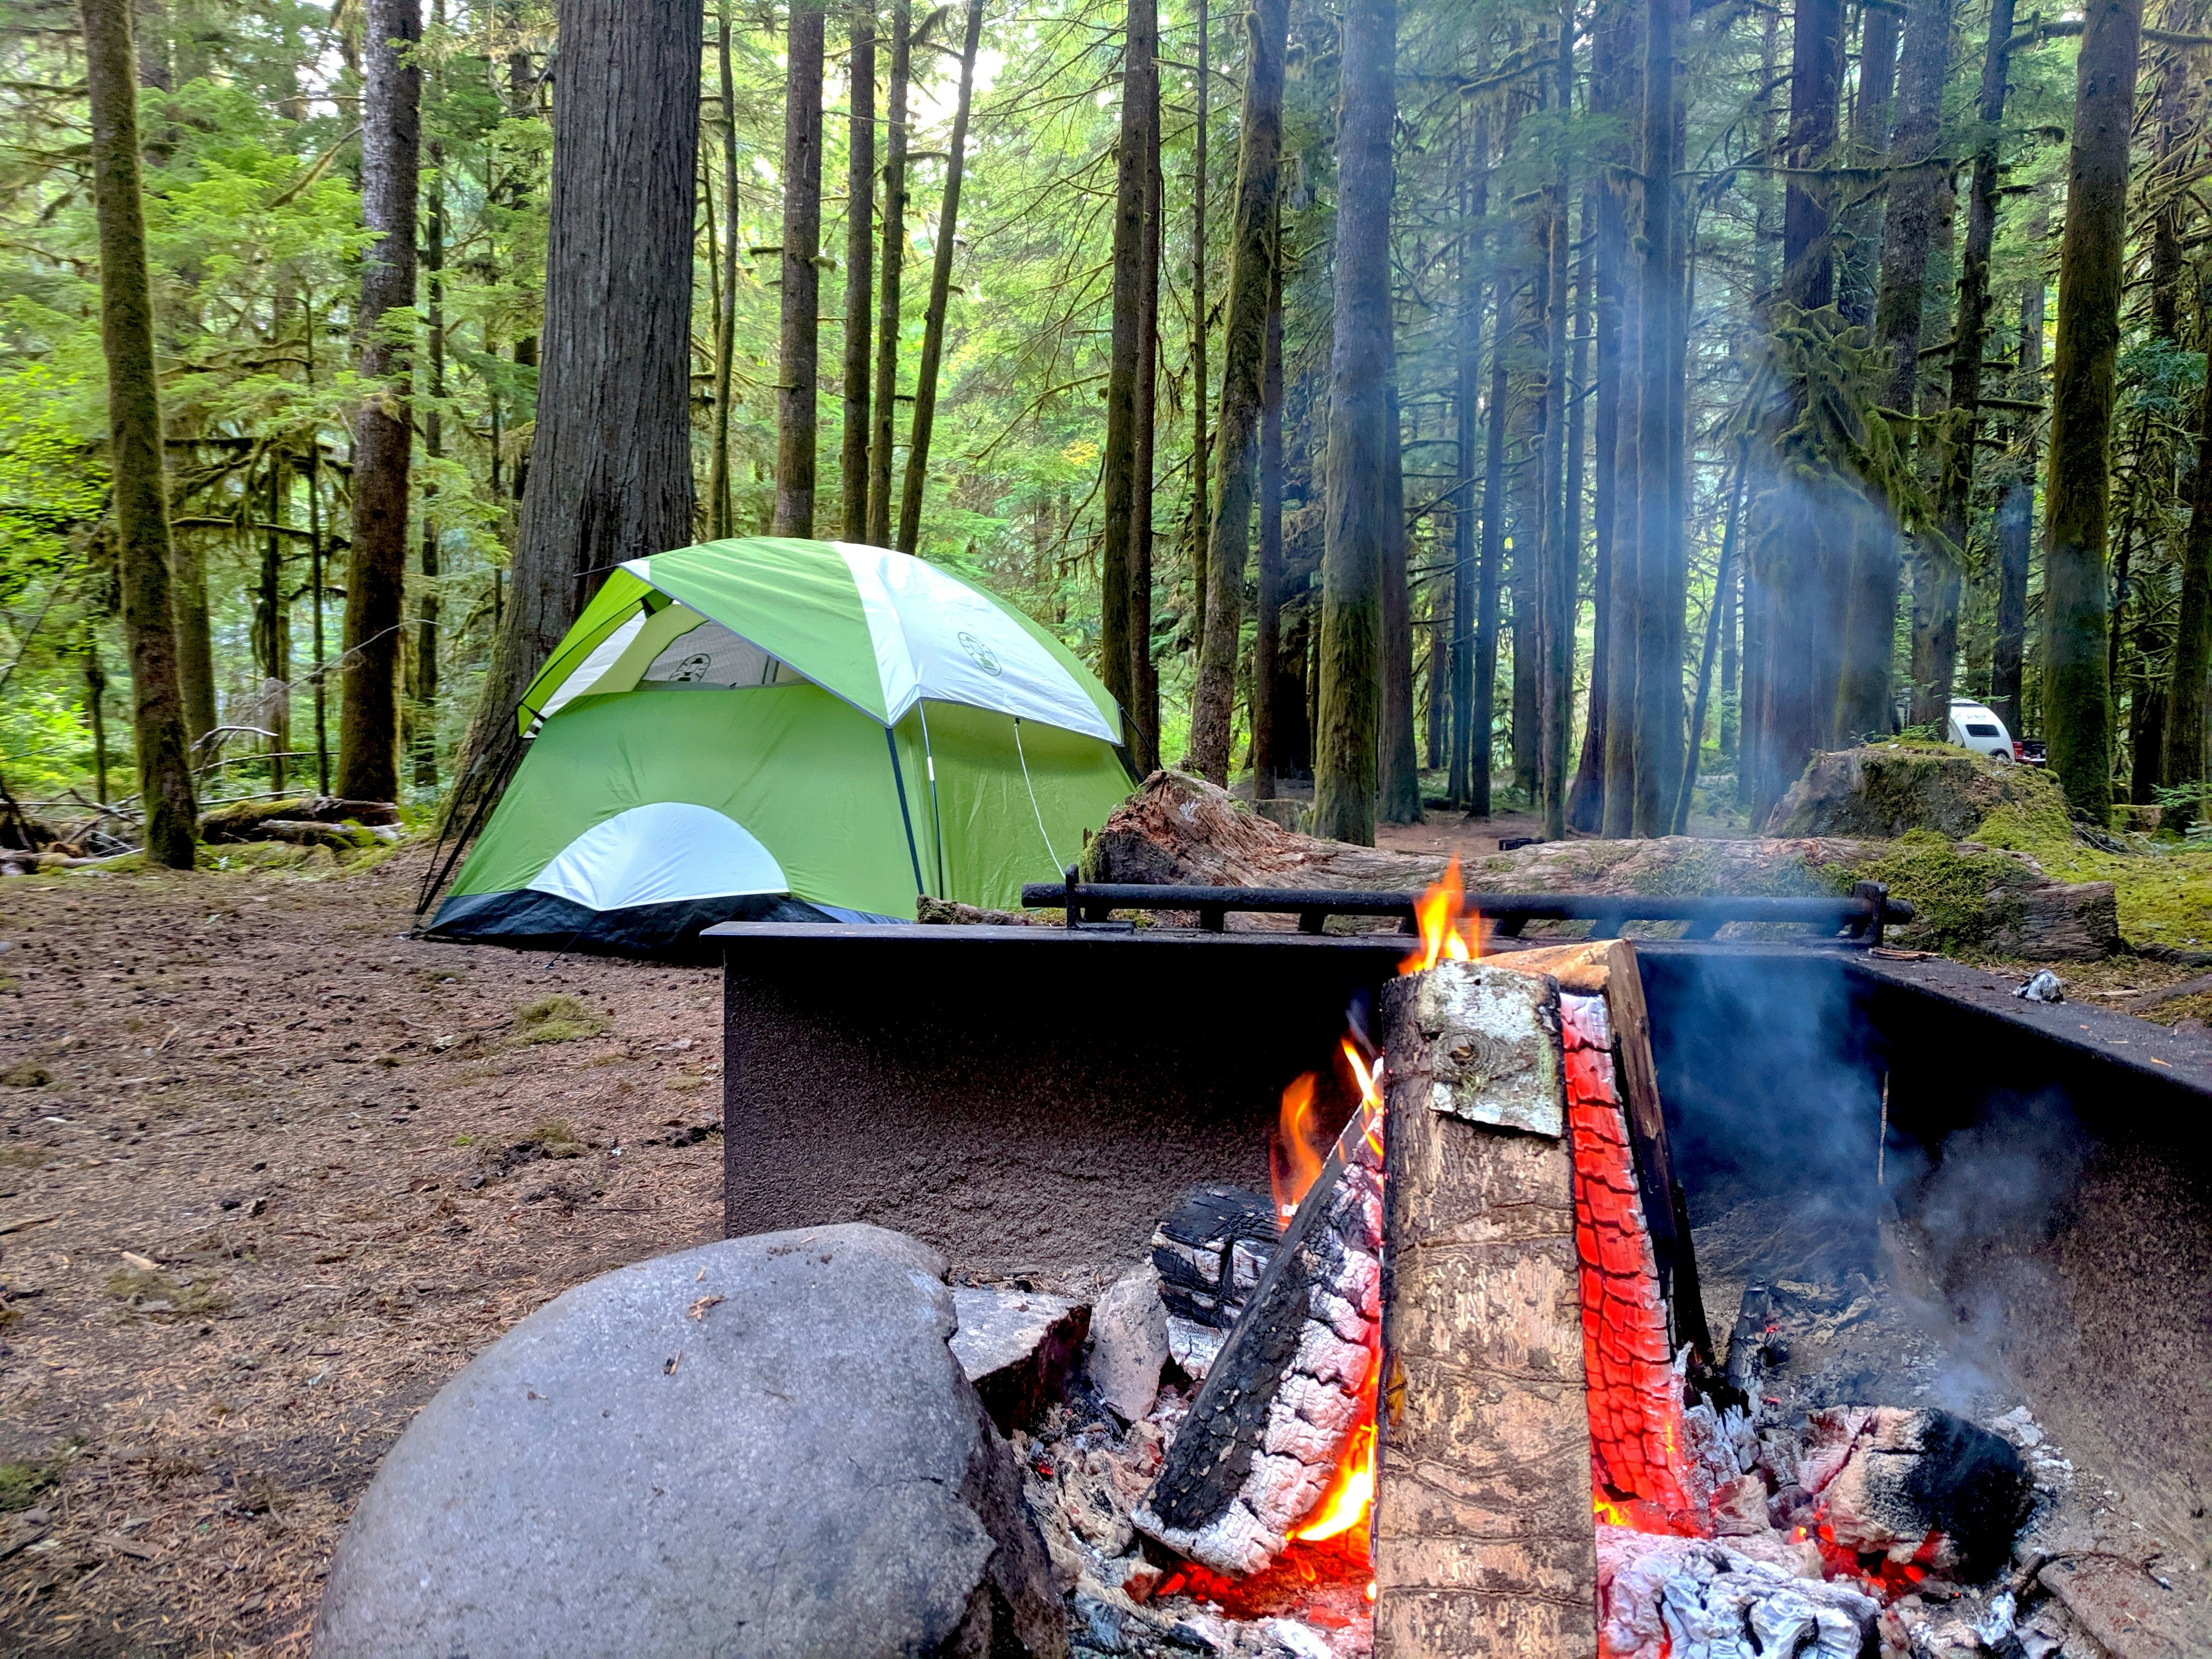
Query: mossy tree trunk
[
  {"x": 1357, "y": 536},
  {"x": 2078, "y": 691},
  {"x": 1122, "y": 495},
  {"x": 376, "y": 566},
  {"x": 134, "y": 438}
]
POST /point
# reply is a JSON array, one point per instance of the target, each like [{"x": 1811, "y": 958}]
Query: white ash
[
  {"x": 1693, "y": 1599},
  {"x": 1098, "y": 1471}
]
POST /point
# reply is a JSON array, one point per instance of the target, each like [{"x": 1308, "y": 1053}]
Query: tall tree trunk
[
  {"x": 1919, "y": 198},
  {"x": 1556, "y": 585},
  {"x": 1474, "y": 191},
  {"x": 1617, "y": 814},
  {"x": 943, "y": 245},
  {"x": 1524, "y": 508},
  {"x": 721, "y": 515},
  {"x": 610, "y": 475},
  {"x": 1612, "y": 43},
  {"x": 859, "y": 263},
  {"x": 1577, "y": 435},
  {"x": 2077, "y": 693},
  {"x": 2015, "y": 529},
  {"x": 2184, "y": 760},
  {"x": 1862, "y": 226},
  {"x": 434, "y": 448},
  {"x": 376, "y": 567},
  {"x": 800, "y": 341},
  {"x": 1124, "y": 495},
  {"x": 1201, "y": 382},
  {"x": 1144, "y": 673},
  {"x": 884, "y": 414},
  {"x": 1243, "y": 371},
  {"x": 1658, "y": 702},
  {"x": 1794, "y": 597},
  {"x": 1397, "y": 762},
  {"x": 1358, "y": 536},
  {"x": 1267, "y": 631},
  {"x": 1969, "y": 340},
  {"x": 134, "y": 438}
]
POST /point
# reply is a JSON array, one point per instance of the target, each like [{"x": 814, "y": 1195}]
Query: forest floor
[
  {"x": 270, "y": 1173},
  {"x": 353, "y": 1160}
]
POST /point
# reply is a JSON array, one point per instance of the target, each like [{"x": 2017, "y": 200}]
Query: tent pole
[
  {"x": 936, "y": 818},
  {"x": 898, "y": 777}
]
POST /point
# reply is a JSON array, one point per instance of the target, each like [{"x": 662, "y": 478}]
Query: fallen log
[{"x": 247, "y": 820}]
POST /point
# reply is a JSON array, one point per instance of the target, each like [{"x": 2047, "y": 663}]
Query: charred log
[{"x": 1262, "y": 1441}]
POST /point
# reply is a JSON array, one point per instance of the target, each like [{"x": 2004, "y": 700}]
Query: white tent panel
[
  {"x": 588, "y": 672},
  {"x": 938, "y": 638},
  {"x": 664, "y": 853}
]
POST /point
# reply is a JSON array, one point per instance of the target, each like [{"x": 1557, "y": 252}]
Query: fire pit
[{"x": 1490, "y": 1309}]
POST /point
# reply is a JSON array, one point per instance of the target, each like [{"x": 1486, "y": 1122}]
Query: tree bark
[
  {"x": 1556, "y": 586},
  {"x": 2192, "y": 681},
  {"x": 1398, "y": 767},
  {"x": 1616, "y": 813},
  {"x": 800, "y": 340},
  {"x": 134, "y": 438},
  {"x": 884, "y": 414},
  {"x": 610, "y": 474},
  {"x": 434, "y": 448},
  {"x": 1525, "y": 504},
  {"x": 1612, "y": 48},
  {"x": 2077, "y": 692},
  {"x": 376, "y": 567},
  {"x": 1816, "y": 71},
  {"x": 1144, "y": 673},
  {"x": 1465, "y": 523},
  {"x": 1124, "y": 495},
  {"x": 1201, "y": 383},
  {"x": 1482, "y": 719},
  {"x": 1658, "y": 704},
  {"x": 2016, "y": 531},
  {"x": 1585, "y": 777},
  {"x": 721, "y": 517},
  {"x": 859, "y": 262},
  {"x": 1267, "y": 631},
  {"x": 943, "y": 243},
  {"x": 1357, "y": 536}
]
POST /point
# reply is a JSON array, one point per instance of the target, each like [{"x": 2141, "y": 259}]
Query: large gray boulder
[{"x": 757, "y": 1448}]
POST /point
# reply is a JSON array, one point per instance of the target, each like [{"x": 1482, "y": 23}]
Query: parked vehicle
[{"x": 1974, "y": 725}]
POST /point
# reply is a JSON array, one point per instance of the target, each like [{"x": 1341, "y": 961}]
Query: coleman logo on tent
[{"x": 984, "y": 657}]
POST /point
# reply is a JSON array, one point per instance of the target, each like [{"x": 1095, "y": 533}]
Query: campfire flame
[
  {"x": 1448, "y": 935},
  {"x": 1345, "y": 1504},
  {"x": 1294, "y": 1154}
]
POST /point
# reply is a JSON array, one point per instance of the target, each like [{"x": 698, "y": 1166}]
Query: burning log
[
  {"x": 1917, "y": 1492},
  {"x": 1263, "y": 1442},
  {"x": 1483, "y": 1538}
]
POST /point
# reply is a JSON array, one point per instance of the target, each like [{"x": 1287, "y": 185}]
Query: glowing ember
[
  {"x": 1294, "y": 1155},
  {"x": 1447, "y": 934}
]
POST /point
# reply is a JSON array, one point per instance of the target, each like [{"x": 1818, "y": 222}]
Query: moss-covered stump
[{"x": 1886, "y": 789}]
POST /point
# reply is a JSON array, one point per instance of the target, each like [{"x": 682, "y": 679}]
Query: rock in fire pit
[{"x": 759, "y": 1447}]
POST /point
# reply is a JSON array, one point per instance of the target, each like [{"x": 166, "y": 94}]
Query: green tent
[{"x": 774, "y": 728}]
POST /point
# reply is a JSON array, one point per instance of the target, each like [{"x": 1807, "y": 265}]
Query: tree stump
[{"x": 1483, "y": 1537}]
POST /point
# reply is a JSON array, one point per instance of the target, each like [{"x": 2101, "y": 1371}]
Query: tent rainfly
[{"x": 770, "y": 728}]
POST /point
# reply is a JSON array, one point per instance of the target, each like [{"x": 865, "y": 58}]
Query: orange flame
[
  {"x": 1293, "y": 1158},
  {"x": 1448, "y": 935},
  {"x": 1610, "y": 1514},
  {"x": 1345, "y": 1504}
]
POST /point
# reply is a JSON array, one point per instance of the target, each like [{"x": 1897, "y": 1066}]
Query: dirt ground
[{"x": 350, "y": 1166}]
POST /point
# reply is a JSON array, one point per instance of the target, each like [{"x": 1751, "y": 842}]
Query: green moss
[
  {"x": 1960, "y": 901},
  {"x": 557, "y": 1018},
  {"x": 21, "y": 1483}
]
